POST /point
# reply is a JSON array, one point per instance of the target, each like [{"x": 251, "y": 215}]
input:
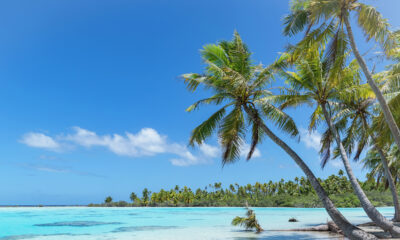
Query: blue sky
[{"x": 91, "y": 103}]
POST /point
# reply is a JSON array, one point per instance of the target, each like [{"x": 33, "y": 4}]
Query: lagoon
[{"x": 85, "y": 223}]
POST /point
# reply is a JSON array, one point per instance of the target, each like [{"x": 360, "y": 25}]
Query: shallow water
[{"x": 80, "y": 223}]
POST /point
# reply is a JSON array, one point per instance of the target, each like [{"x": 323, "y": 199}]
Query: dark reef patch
[
  {"x": 76, "y": 224},
  {"x": 144, "y": 228},
  {"x": 29, "y": 236}
]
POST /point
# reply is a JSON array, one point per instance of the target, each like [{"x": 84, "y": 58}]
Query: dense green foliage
[{"x": 296, "y": 193}]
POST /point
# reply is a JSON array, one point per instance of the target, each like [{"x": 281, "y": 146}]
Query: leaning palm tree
[
  {"x": 239, "y": 86},
  {"x": 332, "y": 18},
  {"x": 249, "y": 222},
  {"x": 372, "y": 161},
  {"x": 353, "y": 117},
  {"x": 317, "y": 82},
  {"x": 389, "y": 82}
]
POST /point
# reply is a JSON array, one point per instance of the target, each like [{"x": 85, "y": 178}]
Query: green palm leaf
[
  {"x": 231, "y": 135},
  {"x": 205, "y": 130}
]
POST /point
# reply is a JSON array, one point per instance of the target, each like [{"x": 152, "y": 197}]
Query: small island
[{"x": 293, "y": 193}]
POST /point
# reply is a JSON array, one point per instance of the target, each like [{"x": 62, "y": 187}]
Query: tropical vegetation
[{"x": 292, "y": 193}]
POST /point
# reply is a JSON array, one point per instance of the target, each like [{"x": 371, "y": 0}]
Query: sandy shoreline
[{"x": 377, "y": 232}]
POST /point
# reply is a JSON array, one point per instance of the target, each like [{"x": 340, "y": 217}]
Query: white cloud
[
  {"x": 39, "y": 140},
  {"x": 49, "y": 169},
  {"x": 181, "y": 162},
  {"x": 336, "y": 163},
  {"x": 147, "y": 142},
  {"x": 209, "y": 150},
  {"x": 245, "y": 150},
  {"x": 59, "y": 170},
  {"x": 213, "y": 151},
  {"x": 186, "y": 157},
  {"x": 311, "y": 140}
]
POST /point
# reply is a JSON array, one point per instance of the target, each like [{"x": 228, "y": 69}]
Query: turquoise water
[{"x": 159, "y": 223}]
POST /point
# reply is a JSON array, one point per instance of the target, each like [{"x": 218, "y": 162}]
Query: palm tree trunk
[
  {"x": 351, "y": 231},
  {"x": 390, "y": 180},
  {"x": 371, "y": 211},
  {"x": 386, "y": 168},
  {"x": 385, "y": 108}
]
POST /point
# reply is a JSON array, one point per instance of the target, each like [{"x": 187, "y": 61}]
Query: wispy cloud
[
  {"x": 210, "y": 151},
  {"x": 311, "y": 139},
  {"x": 39, "y": 140},
  {"x": 146, "y": 142},
  {"x": 245, "y": 150},
  {"x": 336, "y": 163},
  {"x": 48, "y": 157},
  {"x": 59, "y": 170},
  {"x": 49, "y": 169}
]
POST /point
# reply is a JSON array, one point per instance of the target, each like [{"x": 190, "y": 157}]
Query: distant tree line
[{"x": 293, "y": 193}]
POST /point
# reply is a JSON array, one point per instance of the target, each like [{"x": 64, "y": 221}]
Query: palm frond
[
  {"x": 216, "y": 99},
  {"x": 193, "y": 80},
  {"x": 335, "y": 55},
  {"x": 376, "y": 27},
  {"x": 292, "y": 99},
  {"x": 315, "y": 118},
  {"x": 279, "y": 118},
  {"x": 239, "y": 221},
  {"x": 239, "y": 55},
  {"x": 231, "y": 135},
  {"x": 295, "y": 22},
  {"x": 215, "y": 54},
  {"x": 263, "y": 78},
  {"x": 324, "y": 9},
  {"x": 316, "y": 39},
  {"x": 205, "y": 129}
]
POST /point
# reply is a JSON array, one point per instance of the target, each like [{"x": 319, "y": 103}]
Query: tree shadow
[{"x": 292, "y": 236}]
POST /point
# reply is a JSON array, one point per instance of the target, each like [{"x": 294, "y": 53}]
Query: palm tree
[
  {"x": 372, "y": 161},
  {"x": 133, "y": 197},
  {"x": 318, "y": 82},
  {"x": 334, "y": 15},
  {"x": 389, "y": 82},
  {"x": 239, "y": 86},
  {"x": 146, "y": 196},
  {"x": 108, "y": 200},
  {"x": 354, "y": 114},
  {"x": 248, "y": 222}
]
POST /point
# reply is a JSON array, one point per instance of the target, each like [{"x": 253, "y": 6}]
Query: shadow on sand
[{"x": 292, "y": 236}]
